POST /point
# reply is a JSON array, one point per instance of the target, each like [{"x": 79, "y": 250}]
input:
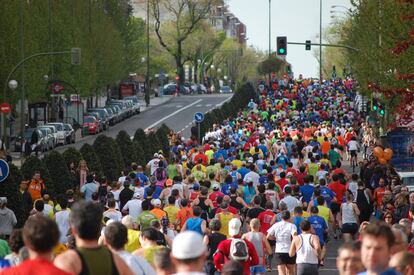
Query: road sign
[
  {"x": 4, "y": 170},
  {"x": 5, "y": 108},
  {"x": 199, "y": 117}
]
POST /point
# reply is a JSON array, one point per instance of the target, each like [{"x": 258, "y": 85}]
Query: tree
[
  {"x": 91, "y": 158},
  {"x": 186, "y": 16},
  {"x": 108, "y": 157},
  {"x": 33, "y": 164},
  {"x": 9, "y": 188},
  {"x": 271, "y": 65},
  {"x": 163, "y": 136},
  {"x": 72, "y": 155},
  {"x": 154, "y": 143},
  {"x": 127, "y": 148},
  {"x": 59, "y": 172},
  {"x": 140, "y": 153}
]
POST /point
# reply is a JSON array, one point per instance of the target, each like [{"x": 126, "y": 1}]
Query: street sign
[
  {"x": 4, "y": 170},
  {"x": 199, "y": 117},
  {"x": 5, "y": 108},
  {"x": 74, "y": 98}
]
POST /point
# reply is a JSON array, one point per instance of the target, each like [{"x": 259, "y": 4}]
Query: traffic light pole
[{"x": 325, "y": 45}]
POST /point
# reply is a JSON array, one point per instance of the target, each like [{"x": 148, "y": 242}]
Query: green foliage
[
  {"x": 72, "y": 155},
  {"x": 140, "y": 153},
  {"x": 10, "y": 189},
  {"x": 127, "y": 147},
  {"x": 270, "y": 65},
  {"x": 33, "y": 164},
  {"x": 141, "y": 139},
  {"x": 109, "y": 156},
  {"x": 59, "y": 172},
  {"x": 91, "y": 158},
  {"x": 154, "y": 143},
  {"x": 162, "y": 134}
]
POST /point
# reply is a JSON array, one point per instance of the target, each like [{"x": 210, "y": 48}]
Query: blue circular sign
[
  {"x": 199, "y": 117},
  {"x": 4, "y": 170}
]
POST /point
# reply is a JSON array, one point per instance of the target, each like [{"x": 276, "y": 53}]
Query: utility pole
[
  {"x": 270, "y": 27},
  {"x": 22, "y": 56},
  {"x": 320, "y": 41},
  {"x": 147, "y": 81}
]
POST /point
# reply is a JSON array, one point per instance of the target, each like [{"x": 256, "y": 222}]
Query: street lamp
[{"x": 13, "y": 84}]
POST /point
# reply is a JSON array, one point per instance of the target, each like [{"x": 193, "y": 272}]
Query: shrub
[
  {"x": 72, "y": 155},
  {"x": 59, "y": 172},
  {"x": 141, "y": 139},
  {"x": 33, "y": 164},
  {"x": 127, "y": 147},
  {"x": 140, "y": 154},
  {"x": 108, "y": 157},
  {"x": 9, "y": 188},
  {"x": 154, "y": 143},
  {"x": 163, "y": 136},
  {"x": 91, "y": 158}
]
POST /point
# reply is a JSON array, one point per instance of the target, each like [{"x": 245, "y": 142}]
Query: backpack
[{"x": 239, "y": 250}]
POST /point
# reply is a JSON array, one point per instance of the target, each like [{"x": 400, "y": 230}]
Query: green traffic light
[
  {"x": 281, "y": 51},
  {"x": 382, "y": 112},
  {"x": 375, "y": 108}
]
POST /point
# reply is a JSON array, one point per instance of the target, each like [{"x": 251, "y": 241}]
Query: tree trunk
[
  {"x": 195, "y": 72},
  {"x": 179, "y": 64}
]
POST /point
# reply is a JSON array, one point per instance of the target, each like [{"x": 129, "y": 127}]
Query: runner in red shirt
[
  {"x": 216, "y": 193},
  {"x": 266, "y": 217},
  {"x": 338, "y": 188}
]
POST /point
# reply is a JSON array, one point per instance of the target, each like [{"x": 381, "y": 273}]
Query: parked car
[
  {"x": 136, "y": 103},
  {"x": 169, "y": 89},
  {"x": 53, "y": 131},
  {"x": 70, "y": 133},
  {"x": 225, "y": 90},
  {"x": 117, "y": 112},
  {"x": 202, "y": 88},
  {"x": 48, "y": 138},
  {"x": 91, "y": 124},
  {"x": 61, "y": 137},
  {"x": 124, "y": 107},
  {"x": 112, "y": 116},
  {"x": 27, "y": 135},
  {"x": 99, "y": 118},
  {"x": 103, "y": 113}
]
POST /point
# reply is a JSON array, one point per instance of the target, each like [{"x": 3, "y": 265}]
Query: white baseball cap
[
  {"x": 188, "y": 245},
  {"x": 156, "y": 202},
  {"x": 234, "y": 227},
  {"x": 216, "y": 186}
]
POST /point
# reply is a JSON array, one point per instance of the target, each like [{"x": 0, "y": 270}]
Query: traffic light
[
  {"x": 381, "y": 111},
  {"x": 281, "y": 45},
  {"x": 308, "y": 45},
  {"x": 375, "y": 105}
]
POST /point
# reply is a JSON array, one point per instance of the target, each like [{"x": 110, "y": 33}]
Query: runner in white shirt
[
  {"x": 283, "y": 232},
  {"x": 62, "y": 220},
  {"x": 133, "y": 207},
  {"x": 290, "y": 201},
  {"x": 153, "y": 164}
]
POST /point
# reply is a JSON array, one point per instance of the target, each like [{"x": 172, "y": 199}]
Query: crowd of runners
[{"x": 265, "y": 190}]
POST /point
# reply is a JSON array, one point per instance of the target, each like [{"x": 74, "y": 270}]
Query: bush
[
  {"x": 118, "y": 154},
  {"x": 9, "y": 188},
  {"x": 108, "y": 157},
  {"x": 91, "y": 158},
  {"x": 59, "y": 172},
  {"x": 154, "y": 143},
  {"x": 33, "y": 164},
  {"x": 127, "y": 147},
  {"x": 140, "y": 154},
  {"x": 163, "y": 136},
  {"x": 72, "y": 155},
  {"x": 141, "y": 139}
]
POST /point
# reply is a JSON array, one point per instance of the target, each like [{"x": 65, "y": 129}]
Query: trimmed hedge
[
  {"x": 9, "y": 188},
  {"x": 91, "y": 158},
  {"x": 108, "y": 156},
  {"x": 127, "y": 147},
  {"x": 72, "y": 155},
  {"x": 59, "y": 172}
]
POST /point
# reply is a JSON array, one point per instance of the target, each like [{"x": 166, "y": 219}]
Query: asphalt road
[{"x": 177, "y": 114}]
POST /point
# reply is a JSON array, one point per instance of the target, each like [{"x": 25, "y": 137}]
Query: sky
[{"x": 298, "y": 20}]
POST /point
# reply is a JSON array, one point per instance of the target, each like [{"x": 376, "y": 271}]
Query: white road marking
[
  {"x": 179, "y": 106},
  {"x": 208, "y": 105},
  {"x": 173, "y": 114},
  {"x": 199, "y": 105}
]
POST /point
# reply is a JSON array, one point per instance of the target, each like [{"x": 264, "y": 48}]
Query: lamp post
[
  {"x": 320, "y": 41},
  {"x": 147, "y": 81},
  {"x": 270, "y": 27},
  {"x": 12, "y": 84}
]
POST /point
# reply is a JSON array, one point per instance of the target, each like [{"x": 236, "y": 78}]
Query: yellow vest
[
  {"x": 324, "y": 213},
  {"x": 225, "y": 219}
]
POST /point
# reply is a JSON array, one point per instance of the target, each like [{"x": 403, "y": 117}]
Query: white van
[{"x": 407, "y": 178}]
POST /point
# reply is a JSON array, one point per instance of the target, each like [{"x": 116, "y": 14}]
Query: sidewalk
[{"x": 154, "y": 102}]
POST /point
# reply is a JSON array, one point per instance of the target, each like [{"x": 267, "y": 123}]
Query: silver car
[
  {"x": 61, "y": 134},
  {"x": 48, "y": 138},
  {"x": 53, "y": 131}
]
